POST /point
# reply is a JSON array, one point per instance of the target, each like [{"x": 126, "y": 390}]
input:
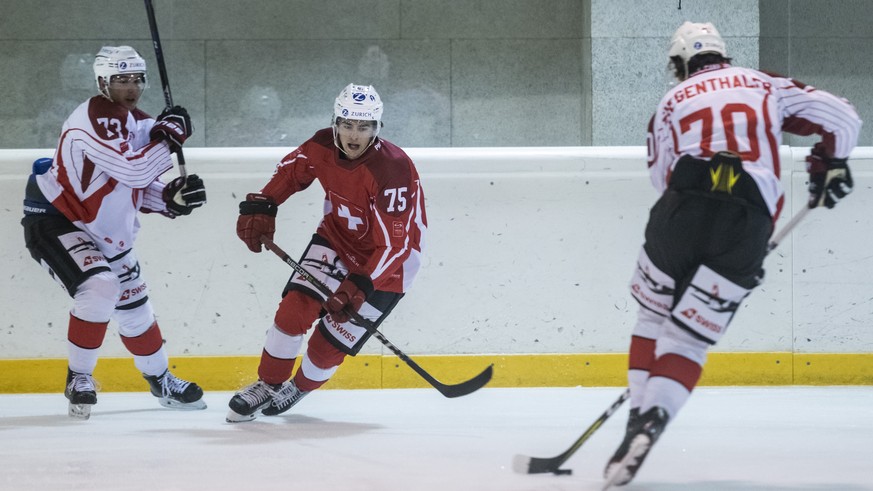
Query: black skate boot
[
  {"x": 283, "y": 399},
  {"x": 641, "y": 435},
  {"x": 176, "y": 393},
  {"x": 632, "y": 418},
  {"x": 245, "y": 404},
  {"x": 81, "y": 392}
]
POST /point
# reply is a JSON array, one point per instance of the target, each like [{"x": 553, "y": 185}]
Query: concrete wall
[
  {"x": 529, "y": 251},
  {"x": 453, "y": 73},
  {"x": 824, "y": 44},
  {"x": 629, "y": 42},
  {"x": 265, "y": 73}
]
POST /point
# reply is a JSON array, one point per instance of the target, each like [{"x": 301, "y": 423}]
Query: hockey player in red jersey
[
  {"x": 714, "y": 155},
  {"x": 81, "y": 222},
  {"x": 367, "y": 249}
]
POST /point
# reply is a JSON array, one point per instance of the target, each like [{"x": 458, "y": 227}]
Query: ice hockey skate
[
  {"x": 284, "y": 399},
  {"x": 642, "y": 433},
  {"x": 176, "y": 393},
  {"x": 633, "y": 418},
  {"x": 248, "y": 402},
  {"x": 81, "y": 392}
]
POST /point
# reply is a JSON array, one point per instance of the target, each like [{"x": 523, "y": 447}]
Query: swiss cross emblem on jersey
[
  {"x": 349, "y": 215},
  {"x": 353, "y": 221}
]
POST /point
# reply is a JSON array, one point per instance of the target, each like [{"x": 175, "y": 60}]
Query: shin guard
[
  {"x": 83, "y": 342},
  {"x": 147, "y": 343},
  {"x": 278, "y": 357},
  {"x": 321, "y": 361},
  {"x": 148, "y": 351},
  {"x": 640, "y": 360}
]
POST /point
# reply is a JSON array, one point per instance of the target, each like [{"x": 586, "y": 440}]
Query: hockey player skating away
[
  {"x": 367, "y": 250},
  {"x": 81, "y": 222},
  {"x": 713, "y": 153}
]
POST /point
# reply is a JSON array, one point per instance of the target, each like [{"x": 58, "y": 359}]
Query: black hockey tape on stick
[
  {"x": 456, "y": 390},
  {"x": 165, "y": 80},
  {"x": 540, "y": 465}
]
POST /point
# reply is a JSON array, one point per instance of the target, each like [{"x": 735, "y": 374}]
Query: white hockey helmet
[
  {"x": 694, "y": 38},
  {"x": 117, "y": 60},
  {"x": 358, "y": 102}
]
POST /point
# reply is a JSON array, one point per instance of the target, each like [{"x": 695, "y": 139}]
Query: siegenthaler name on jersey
[{"x": 720, "y": 83}]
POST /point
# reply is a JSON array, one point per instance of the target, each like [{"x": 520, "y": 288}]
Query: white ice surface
[{"x": 725, "y": 439}]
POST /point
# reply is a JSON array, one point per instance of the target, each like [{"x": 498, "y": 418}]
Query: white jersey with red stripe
[
  {"x": 105, "y": 170},
  {"x": 745, "y": 111},
  {"x": 374, "y": 214}
]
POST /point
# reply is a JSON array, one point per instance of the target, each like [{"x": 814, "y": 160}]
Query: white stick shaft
[{"x": 780, "y": 235}]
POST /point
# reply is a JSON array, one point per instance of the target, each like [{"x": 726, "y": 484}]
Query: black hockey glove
[
  {"x": 182, "y": 195},
  {"x": 829, "y": 179},
  {"x": 173, "y": 126}
]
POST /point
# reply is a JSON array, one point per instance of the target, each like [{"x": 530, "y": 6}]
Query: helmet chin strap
[{"x": 104, "y": 90}]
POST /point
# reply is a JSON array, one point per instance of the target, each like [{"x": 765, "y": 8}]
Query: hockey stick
[
  {"x": 165, "y": 80},
  {"x": 537, "y": 465},
  {"x": 540, "y": 465},
  {"x": 780, "y": 235},
  {"x": 456, "y": 390}
]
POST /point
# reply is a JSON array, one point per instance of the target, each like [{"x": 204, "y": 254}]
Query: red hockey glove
[
  {"x": 351, "y": 294},
  {"x": 829, "y": 179},
  {"x": 172, "y": 126},
  {"x": 184, "y": 194},
  {"x": 257, "y": 217}
]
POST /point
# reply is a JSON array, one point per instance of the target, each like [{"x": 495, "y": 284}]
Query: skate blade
[
  {"x": 182, "y": 406},
  {"x": 620, "y": 474},
  {"x": 235, "y": 417},
  {"x": 80, "y": 411}
]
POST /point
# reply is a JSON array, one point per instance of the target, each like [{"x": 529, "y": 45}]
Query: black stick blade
[
  {"x": 523, "y": 464},
  {"x": 537, "y": 465},
  {"x": 467, "y": 387}
]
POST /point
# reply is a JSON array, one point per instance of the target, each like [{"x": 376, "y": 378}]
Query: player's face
[
  {"x": 355, "y": 136},
  {"x": 127, "y": 89}
]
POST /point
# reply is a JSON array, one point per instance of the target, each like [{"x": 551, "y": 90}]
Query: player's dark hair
[{"x": 696, "y": 63}]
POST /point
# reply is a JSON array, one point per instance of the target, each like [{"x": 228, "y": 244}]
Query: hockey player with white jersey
[
  {"x": 714, "y": 155},
  {"x": 81, "y": 223},
  {"x": 367, "y": 250}
]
